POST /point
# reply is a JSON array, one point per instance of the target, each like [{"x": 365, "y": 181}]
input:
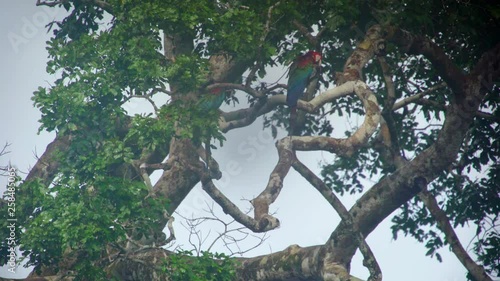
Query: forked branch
[
  {"x": 369, "y": 259},
  {"x": 262, "y": 224}
]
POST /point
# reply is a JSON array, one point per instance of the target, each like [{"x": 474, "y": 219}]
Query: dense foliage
[
  {"x": 206, "y": 267},
  {"x": 106, "y": 55}
]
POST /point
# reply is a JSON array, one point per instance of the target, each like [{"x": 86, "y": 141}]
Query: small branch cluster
[
  {"x": 230, "y": 236},
  {"x": 4, "y": 170}
]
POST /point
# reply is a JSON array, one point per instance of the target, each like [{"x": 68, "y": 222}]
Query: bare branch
[
  {"x": 4, "y": 169},
  {"x": 417, "y": 97},
  {"x": 268, "y": 196},
  {"x": 230, "y": 236},
  {"x": 170, "y": 226},
  {"x": 4, "y": 149},
  {"x": 343, "y": 146}
]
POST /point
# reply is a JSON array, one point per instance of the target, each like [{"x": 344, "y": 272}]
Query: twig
[{"x": 228, "y": 236}]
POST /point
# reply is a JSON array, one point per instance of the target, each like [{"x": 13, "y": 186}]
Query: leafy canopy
[{"x": 105, "y": 57}]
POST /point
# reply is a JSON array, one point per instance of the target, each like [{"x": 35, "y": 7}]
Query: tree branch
[
  {"x": 420, "y": 45},
  {"x": 47, "y": 165},
  {"x": 313, "y": 40},
  {"x": 245, "y": 88},
  {"x": 444, "y": 225},
  {"x": 261, "y": 224},
  {"x": 244, "y": 117},
  {"x": 372, "y": 44},
  {"x": 393, "y": 190},
  {"x": 417, "y": 97},
  {"x": 369, "y": 259}
]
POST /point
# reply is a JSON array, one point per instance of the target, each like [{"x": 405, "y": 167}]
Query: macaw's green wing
[
  {"x": 297, "y": 82},
  {"x": 212, "y": 101}
]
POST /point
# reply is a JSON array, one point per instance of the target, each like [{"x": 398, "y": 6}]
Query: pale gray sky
[{"x": 246, "y": 160}]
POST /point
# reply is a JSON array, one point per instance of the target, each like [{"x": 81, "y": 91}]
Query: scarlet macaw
[{"x": 301, "y": 72}]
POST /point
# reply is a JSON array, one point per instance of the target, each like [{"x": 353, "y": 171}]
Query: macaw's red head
[
  {"x": 311, "y": 57},
  {"x": 314, "y": 56},
  {"x": 215, "y": 91}
]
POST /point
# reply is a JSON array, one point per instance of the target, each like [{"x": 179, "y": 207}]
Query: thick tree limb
[
  {"x": 392, "y": 191},
  {"x": 444, "y": 225},
  {"x": 275, "y": 184},
  {"x": 420, "y": 45},
  {"x": 369, "y": 259},
  {"x": 176, "y": 182},
  {"x": 372, "y": 44},
  {"x": 47, "y": 165},
  {"x": 244, "y": 117},
  {"x": 430, "y": 201}
]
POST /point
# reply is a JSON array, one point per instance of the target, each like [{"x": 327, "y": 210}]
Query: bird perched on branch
[
  {"x": 301, "y": 71},
  {"x": 213, "y": 100}
]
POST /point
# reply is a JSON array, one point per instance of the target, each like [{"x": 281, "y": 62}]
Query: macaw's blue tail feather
[{"x": 295, "y": 91}]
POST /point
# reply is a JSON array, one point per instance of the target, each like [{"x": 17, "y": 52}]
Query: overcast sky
[{"x": 246, "y": 160}]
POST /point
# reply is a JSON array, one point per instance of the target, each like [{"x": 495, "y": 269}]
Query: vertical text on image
[{"x": 10, "y": 197}]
